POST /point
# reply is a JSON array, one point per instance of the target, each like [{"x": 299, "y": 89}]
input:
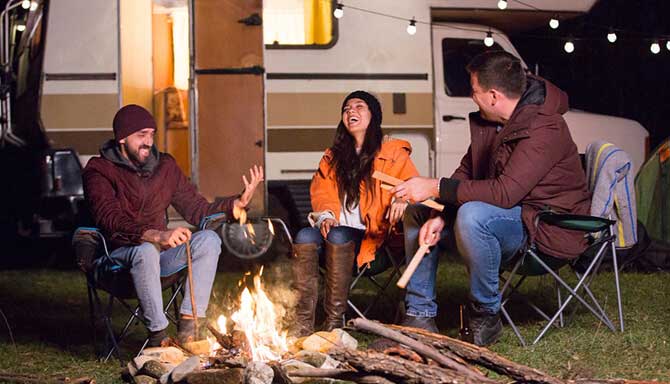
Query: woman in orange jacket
[{"x": 352, "y": 214}]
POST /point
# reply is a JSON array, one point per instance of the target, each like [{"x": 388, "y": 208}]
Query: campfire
[
  {"x": 248, "y": 345},
  {"x": 256, "y": 319}
]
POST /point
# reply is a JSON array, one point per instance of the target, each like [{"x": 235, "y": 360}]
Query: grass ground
[{"x": 47, "y": 311}]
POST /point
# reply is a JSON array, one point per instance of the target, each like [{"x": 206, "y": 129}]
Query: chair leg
[
  {"x": 351, "y": 287},
  {"x": 615, "y": 266},
  {"x": 114, "y": 349},
  {"x": 573, "y": 292}
]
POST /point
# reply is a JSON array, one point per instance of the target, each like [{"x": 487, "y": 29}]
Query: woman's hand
[
  {"x": 255, "y": 178},
  {"x": 326, "y": 225},
  {"x": 396, "y": 211}
]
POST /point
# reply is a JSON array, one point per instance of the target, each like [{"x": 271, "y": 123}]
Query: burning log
[
  {"x": 478, "y": 355},
  {"x": 400, "y": 370},
  {"x": 226, "y": 341},
  {"x": 422, "y": 349}
]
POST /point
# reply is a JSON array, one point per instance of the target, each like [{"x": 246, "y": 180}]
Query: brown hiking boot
[
  {"x": 306, "y": 284},
  {"x": 339, "y": 264}
]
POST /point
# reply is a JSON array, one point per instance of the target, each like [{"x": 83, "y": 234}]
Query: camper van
[{"x": 238, "y": 82}]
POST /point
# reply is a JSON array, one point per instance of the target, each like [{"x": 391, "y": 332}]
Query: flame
[
  {"x": 257, "y": 319},
  {"x": 271, "y": 227}
]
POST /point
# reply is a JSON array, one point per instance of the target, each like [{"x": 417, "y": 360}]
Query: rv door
[{"x": 452, "y": 51}]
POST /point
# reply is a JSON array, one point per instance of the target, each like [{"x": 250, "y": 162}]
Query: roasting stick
[
  {"x": 413, "y": 264},
  {"x": 189, "y": 262},
  {"x": 388, "y": 182}
]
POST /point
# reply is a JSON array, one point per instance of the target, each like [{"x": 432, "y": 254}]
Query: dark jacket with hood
[
  {"x": 532, "y": 162},
  {"x": 126, "y": 201}
]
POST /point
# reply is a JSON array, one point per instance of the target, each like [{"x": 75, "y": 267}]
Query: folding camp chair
[
  {"x": 534, "y": 263},
  {"x": 104, "y": 273},
  {"x": 392, "y": 258}
]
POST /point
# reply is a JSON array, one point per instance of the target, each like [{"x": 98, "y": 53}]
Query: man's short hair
[{"x": 500, "y": 70}]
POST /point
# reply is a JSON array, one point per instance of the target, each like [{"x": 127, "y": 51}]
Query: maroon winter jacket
[
  {"x": 126, "y": 201},
  {"x": 533, "y": 162}
]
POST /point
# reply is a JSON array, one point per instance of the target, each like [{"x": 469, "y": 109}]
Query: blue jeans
[
  {"x": 485, "y": 236},
  {"x": 147, "y": 265},
  {"x": 337, "y": 235}
]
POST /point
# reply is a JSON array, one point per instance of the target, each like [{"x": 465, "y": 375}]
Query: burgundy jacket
[
  {"x": 126, "y": 201},
  {"x": 532, "y": 162}
]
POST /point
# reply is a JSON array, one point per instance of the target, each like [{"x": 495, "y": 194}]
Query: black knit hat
[
  {"x": 130, "y": 119},
  {"x": 371, "y": 101}
]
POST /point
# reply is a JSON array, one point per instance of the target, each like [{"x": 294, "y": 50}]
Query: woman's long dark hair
[{"x": 352, "y": 168}]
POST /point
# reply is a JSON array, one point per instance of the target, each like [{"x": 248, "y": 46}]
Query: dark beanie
[
  {"x": 130, "y": 119},
  {"x": 371, "y": 101}
]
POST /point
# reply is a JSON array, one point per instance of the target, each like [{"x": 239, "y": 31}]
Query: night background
[{"x": 622, "y": 79}]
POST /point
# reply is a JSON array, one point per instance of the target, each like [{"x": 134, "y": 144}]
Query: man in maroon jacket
[
  {"x": 129, "y": 188},
  {"x": 521, "y": 160}
]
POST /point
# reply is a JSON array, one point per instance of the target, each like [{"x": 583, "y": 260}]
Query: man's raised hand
[{"x": 255, "y": 177}]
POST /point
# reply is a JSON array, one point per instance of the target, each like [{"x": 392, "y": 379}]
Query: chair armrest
[
  {"x": 213, "y": 221},
  {"x": 584, "y": 223}
]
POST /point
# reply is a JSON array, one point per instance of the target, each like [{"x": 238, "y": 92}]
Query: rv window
[
  {"x": 456, "y": 54},
  {"x": 298, "y": 24}
]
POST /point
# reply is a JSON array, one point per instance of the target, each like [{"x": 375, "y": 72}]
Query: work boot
[
  {"x": 486, "y": 327},
  {"x": 306, "y": 284},
  {"x": 157, "y": 338},
  {"x": 186, "y": 332},
  {"x": 339, "y": 266},
  {"x": 425, "y": 323}
]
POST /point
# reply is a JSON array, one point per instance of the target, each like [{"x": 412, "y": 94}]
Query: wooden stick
[
  {"x": 189, "y": 262},
  {"x": 395, "y": 181},
  {"x": 420, "y": 348},
  {"x": 428, "y": 203},
  {"x": 413, "y": 264},
  {"x": 339, "y": 374},
  {"x": 478, "y": 355}
]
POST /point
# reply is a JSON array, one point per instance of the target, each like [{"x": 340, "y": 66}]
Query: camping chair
[
  {"x": 104, "y": 273},
  {"x": 392, "y": 258},
  {"x": 534, "y": 263}
]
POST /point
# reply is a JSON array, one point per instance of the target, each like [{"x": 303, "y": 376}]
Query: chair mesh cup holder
[{"x": 253, "y": 239}]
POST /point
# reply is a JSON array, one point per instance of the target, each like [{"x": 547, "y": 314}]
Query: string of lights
[{"x": 610, "y": 33}]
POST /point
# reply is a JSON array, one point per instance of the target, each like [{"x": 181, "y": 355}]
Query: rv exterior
[{"x": 277, "y": 104}]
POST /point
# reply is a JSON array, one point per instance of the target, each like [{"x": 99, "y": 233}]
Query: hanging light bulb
[
  {"x": 21, "y": 27},
  {"x": 33, "y": 5},
  {"x": 569, "y": 46},
  {"x": 338, "y": 12},
  {"x": 411, "y": 28},
  {"x": 554, "y": 23},
  {"x": 611, "y": 36},
  {"x": 502, "y": 4},
  {"x": 655, "y": 48},
  {"x": 488, "y": 40},
  {"x": 25, "y": 4},
  {"x": 667, "y": 45}
]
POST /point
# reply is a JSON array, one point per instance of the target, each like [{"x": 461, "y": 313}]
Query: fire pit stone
[{"x": 325, "y": 341}]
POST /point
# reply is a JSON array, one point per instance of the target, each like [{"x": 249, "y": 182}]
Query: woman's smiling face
[{"x": 356, "y": 116}]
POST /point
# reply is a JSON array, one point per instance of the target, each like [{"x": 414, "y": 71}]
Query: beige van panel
[
  {"x": 79, "y": 111},
  {"x": 323, "y": 109},
  {"x": 85, "y": 142}
]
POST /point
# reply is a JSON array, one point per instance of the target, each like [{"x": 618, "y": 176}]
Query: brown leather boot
[
  {"x": 306, "y": 284},
  {"x": 339, "y": 267}
]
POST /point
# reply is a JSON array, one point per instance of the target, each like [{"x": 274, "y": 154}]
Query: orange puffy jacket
[{"x": 392, "y": 159}]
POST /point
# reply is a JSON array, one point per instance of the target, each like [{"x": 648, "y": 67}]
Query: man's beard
[{"x": 134, "y": 156}]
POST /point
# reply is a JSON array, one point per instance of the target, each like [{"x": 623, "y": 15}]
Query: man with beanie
[
  {"x": 129, "y": 188},
  {"x": 521, "y": 161}
]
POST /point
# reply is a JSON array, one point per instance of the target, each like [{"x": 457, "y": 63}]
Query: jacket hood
[
  {"x": 110, "y": 151},
  {"x": 391, "y": 145},
  {"x": 540, "y": 92}
]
